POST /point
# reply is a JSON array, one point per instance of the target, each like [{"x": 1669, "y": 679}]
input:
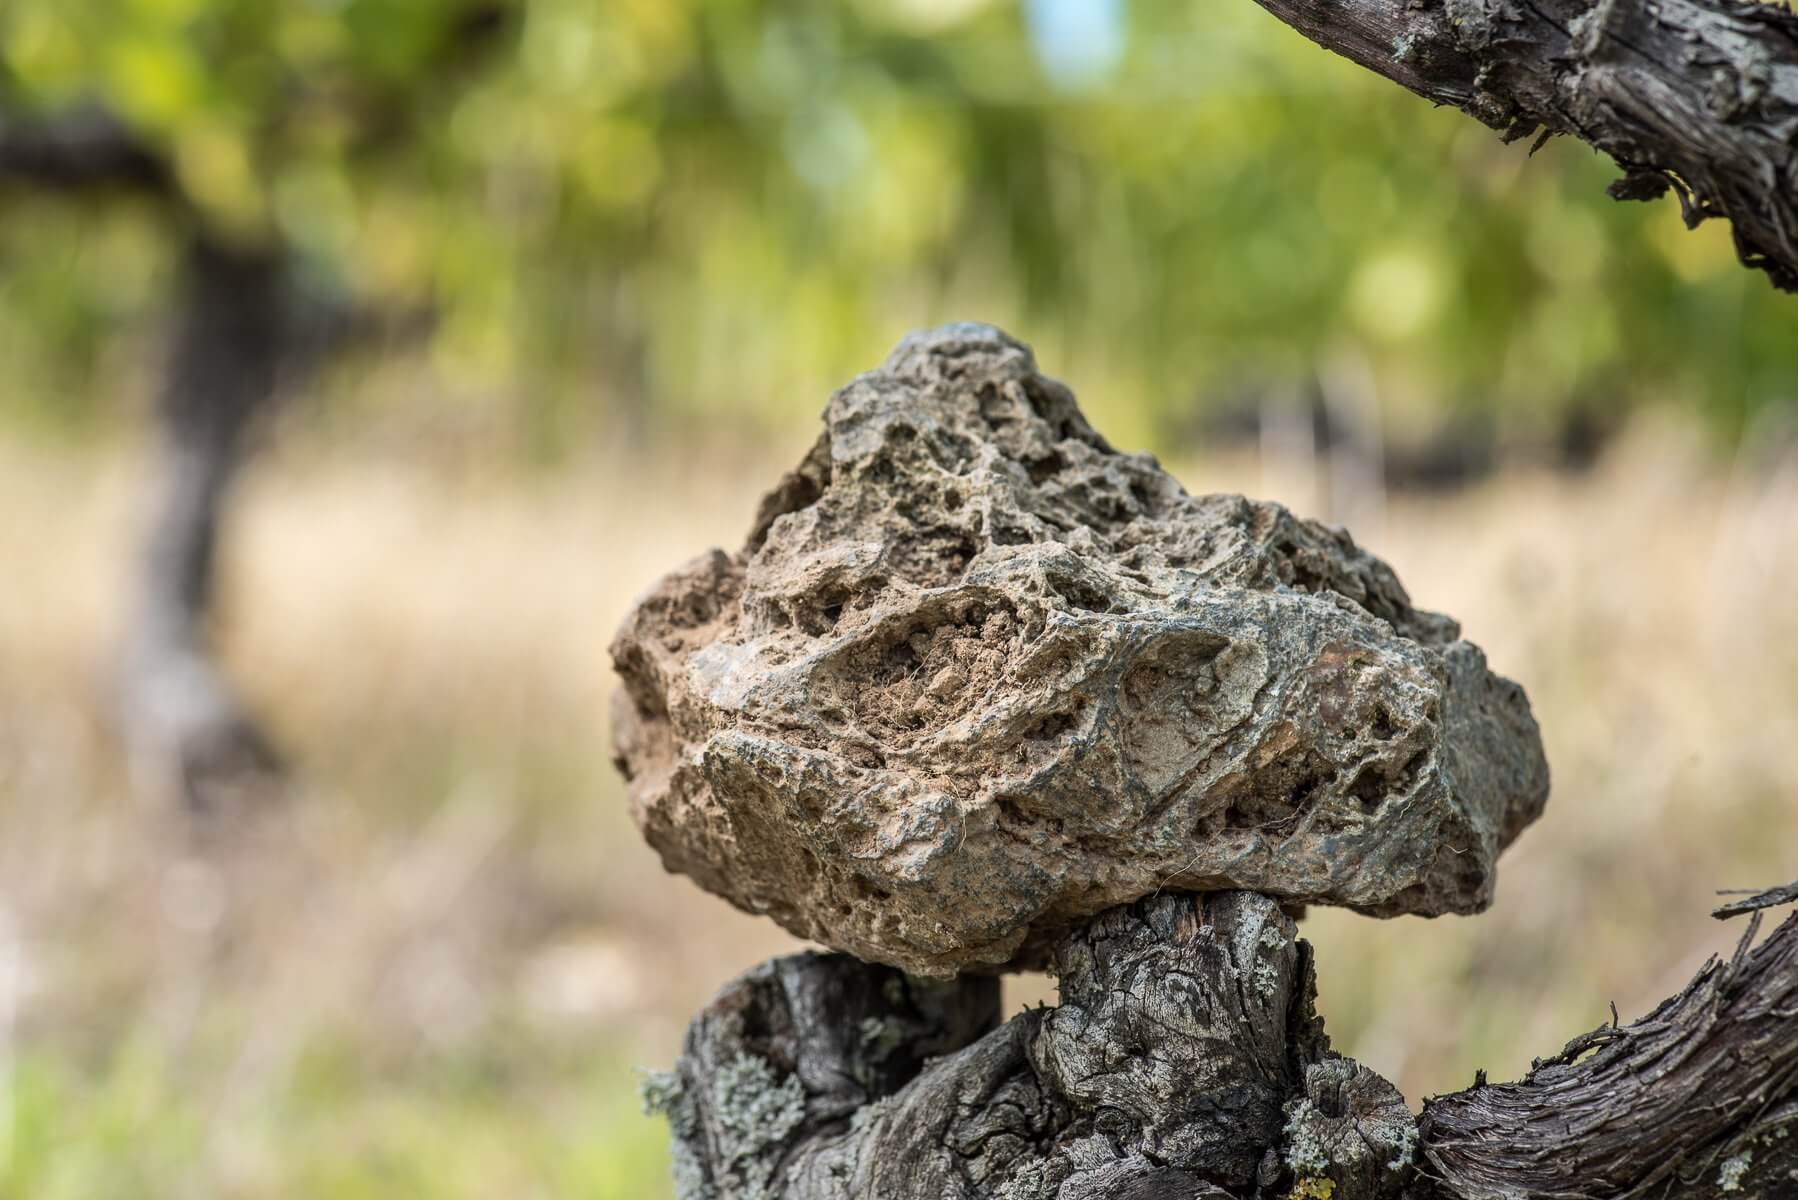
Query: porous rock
[{"x": 976, "y": 676}]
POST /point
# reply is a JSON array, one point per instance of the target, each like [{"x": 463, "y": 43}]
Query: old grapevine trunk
[
  {"x": 1697, "y": 96},
  {"x": 1185, "y": 1060}
]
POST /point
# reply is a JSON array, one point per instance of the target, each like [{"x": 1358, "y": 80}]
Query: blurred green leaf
[{"x": 632, "y": 213}]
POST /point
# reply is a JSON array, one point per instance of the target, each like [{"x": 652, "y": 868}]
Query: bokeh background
[{"x": 608, "y": 258}]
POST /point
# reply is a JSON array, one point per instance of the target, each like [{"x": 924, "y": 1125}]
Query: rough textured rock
[{"x": 977, "y": 676}]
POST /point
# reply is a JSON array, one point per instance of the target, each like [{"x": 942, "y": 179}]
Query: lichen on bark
[{"x": 1163, "y": 1067}]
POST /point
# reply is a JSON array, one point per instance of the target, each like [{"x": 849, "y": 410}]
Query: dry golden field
[{"x": 433, "y": 969}]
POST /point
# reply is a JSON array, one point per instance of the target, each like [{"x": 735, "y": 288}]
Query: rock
[{"x": 977, "y": 676}]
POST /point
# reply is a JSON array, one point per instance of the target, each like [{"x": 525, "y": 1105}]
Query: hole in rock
[
  {"x": 1051, "y": 727},
  {"x": 1046, "y": 468},
  {"x": 1369, "y": 788}
]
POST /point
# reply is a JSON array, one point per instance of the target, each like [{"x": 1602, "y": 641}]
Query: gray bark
[
  {"x": 1700, "y": 1094},
  {"x": 1185, "y": 1059},
  {"x": 1696, "y": 96}
]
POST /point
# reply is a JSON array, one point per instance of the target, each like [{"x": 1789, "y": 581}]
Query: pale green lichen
[
  {"x": 1729, "y": 1175},
  {"x": 868, "y": 1113},
  {"x": 1406, "y": 1149},
  {"x": 1029, "y": 1180},
  {"x": 1267, "y": 975},
  {"x": 661, "y": 1092},
  {"x": 753, "y": 1108},
  {"x": 882, "y": 1037},
  {"x": 664, "y": 1093},
  {"x": 1305, "y": 1154}
]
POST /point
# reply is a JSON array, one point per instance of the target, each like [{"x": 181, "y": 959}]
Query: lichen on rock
[{"x": 976, "y": 676}]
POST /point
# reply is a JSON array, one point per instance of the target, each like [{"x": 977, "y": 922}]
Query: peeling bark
[
  {"x": 1695, "y": 96},
  {"x": 1698, "y": 1099},
  {"x": 1185, "y": 1059}
]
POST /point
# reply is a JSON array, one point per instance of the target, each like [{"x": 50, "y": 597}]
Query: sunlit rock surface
[{"x": 977, "y": 676}]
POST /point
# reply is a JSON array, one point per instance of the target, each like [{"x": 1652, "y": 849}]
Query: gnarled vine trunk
[
  {"x": 1696, "y": 96},
  {"x": 1185, "y": 1059}
]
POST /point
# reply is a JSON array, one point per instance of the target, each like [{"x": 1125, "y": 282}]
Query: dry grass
[{"x": 431, "y": 972}]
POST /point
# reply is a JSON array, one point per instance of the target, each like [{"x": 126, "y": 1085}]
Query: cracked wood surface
[
  {"x": 1185, "y": 1059},
  {"x": 1695, "y": 96},
  {"x": 1697, "y": 1099}
]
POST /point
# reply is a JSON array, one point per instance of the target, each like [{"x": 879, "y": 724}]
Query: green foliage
[{"x": 632, "y": 212}]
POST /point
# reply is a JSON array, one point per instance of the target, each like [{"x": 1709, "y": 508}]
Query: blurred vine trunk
[
  {"x": 624, "y": 371},
  {"x": 186, "y": 731},
  {"x": 184, "y": 725}
]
